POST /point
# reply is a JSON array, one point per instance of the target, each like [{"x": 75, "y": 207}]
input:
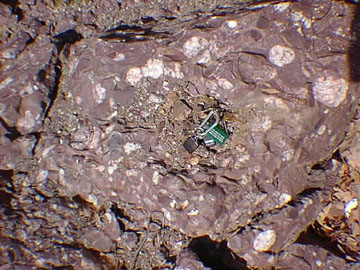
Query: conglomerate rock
[{"x": 94, "y": 174}]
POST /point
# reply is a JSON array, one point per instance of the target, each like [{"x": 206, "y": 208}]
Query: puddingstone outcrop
[{"x": 94, "y": 174}]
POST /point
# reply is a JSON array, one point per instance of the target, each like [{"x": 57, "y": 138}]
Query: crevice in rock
[
  {"x": 311, "y": 237},
  {"x": 81, "y": 202},
  {"x": 41, "y": 76},
  {"x": 354, "y": 51},
  {"x": 216, "y": 255},
  {"x": 170, "y": 18},
  {"x": 71, "y": 246},
  {"x": 14, "y": 8},
  {"x": 6, "y": 175},
  {"x": 119, "y": 214},
  {"x": 306, "y": 193},
  {"x": 5, "y": 202},
  {"x": 337, "y": 156},
  {"x": 37, "y": 136},
  {"x": 69, "y": 36},
  {"x": 324, "y": 164},
  {"x": 13, "y": 133},
  {"x": 28, "y": 42},
  {"x": 67, "y": 267},
  {"x": 320, "y": 166},
  {"x": 132, "y": 37},
  {"x": 170, "y": 259},
  {"x": 12, "y": 3},
  {"x": 125, "y": 27},
  {"x": 6, "y": 188},
  {"x": 148, "y": 19},
  {"x": 132, "y": 33},
  {"x": 11, "y": 255},
  {"x": 95, "y": 256},
  {"x": 53, "y": 91}
]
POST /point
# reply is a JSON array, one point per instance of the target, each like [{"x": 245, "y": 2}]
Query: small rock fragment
[
  {"x": 349, "y": 206},
  {"x": 99, "y": 93},
  {"x": 156, "y": 177},
  {"x": 119, "y": 57},
  {"x": 232, "y": 24},
  {"x": 281, "y": 7},
  {"x": 284, "y": 199}
]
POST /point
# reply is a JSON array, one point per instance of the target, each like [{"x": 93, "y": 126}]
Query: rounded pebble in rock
[
  {"x": 154, "y": 68},
  {"x": 280, "y": 55},
  {"x": 330, "y": 91},
  {"x": 264, "y": 240},
  {"x": 134, "y": 75},
  {"x": 194, "y": 45},
  {"x": 225, "y": 84}
]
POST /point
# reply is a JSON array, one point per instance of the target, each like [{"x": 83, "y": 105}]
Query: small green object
[{"x": 217, "y": 134}]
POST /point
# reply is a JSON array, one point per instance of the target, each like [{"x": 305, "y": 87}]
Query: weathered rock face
[{"x": 97, "y": 127}]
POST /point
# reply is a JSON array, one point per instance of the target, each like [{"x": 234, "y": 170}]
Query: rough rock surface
[{"x": 97, "y": 100}]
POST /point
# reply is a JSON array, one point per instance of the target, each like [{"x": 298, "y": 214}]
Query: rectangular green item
[{"x": 217, "y": 134}]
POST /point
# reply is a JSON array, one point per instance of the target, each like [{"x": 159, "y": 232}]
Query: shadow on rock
[{"x": 354, "y": 52}]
